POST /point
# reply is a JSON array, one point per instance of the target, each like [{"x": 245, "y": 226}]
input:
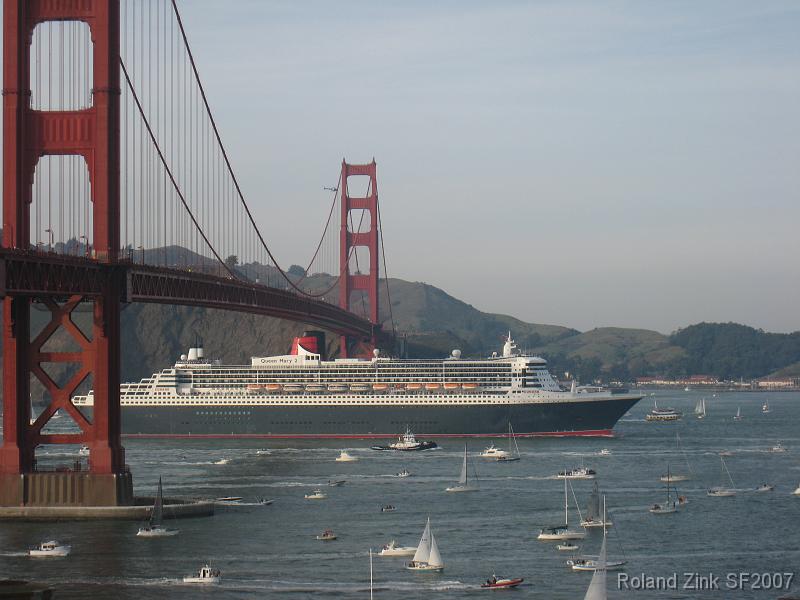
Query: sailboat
[
  {"x": 510, "y": 456},
  {"x": 593, "y": 518},
  {"x": 700, "y": 409},
  {"x": 427, "y": 557},
  {"x": 155, "y": 528},
  {"x": 561, "y": 532},
  {"x": 722, "y": 491},
  {"x": 601, "y": 562},
  {"x": 765, "y": 407},
  {"x": 738, "y": 416},
  {"x": 464, "y": 484},
  {"x": 598, "y": 589},
  {"x": 669, "y": 506},
  {"x": 674, "y": 477}
]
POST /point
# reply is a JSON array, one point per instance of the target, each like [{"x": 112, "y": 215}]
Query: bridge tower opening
[
  {"x": 363, "y": 281},
  {"x": 91, "y": 132}
]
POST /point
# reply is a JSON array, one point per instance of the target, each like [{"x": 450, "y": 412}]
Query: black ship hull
[{"x": 595, "y": 417}]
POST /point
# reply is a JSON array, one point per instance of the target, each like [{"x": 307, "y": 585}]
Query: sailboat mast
[
  {"x": 370, "y": 574},
  {"x": 566, "y": 502}
]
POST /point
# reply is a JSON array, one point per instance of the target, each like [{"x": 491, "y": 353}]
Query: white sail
[
  {"x": 597, "y": 587},
  {"x": 434, "y": 558},
  {"x": 424, "y": 549},
  {"x": 463, "y": 479},
  {"x": 698, "y": 409}
]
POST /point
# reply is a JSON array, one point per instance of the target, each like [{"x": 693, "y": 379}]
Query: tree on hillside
[{"x": 232, "y": 261}]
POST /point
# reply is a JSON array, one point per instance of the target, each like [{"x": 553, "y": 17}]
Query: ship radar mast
[{"x": 509, "y": 347}]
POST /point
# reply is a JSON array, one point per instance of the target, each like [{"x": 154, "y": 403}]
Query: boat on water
[
  {"x": 512, "y": 455},
  {"x": 567, "y": 547},
  {"x": 777, "y": 448},
  {"x": 465, "y": 482},
  {"x": 156, "y": 528},
  {"x": 265, "y": 501},
  {"x": 394, "y": 549},
  {"x": 50, "y": 549},
  {"x": 663, "y": 414},
  {"x": 598, "y": 587},
  {"x": 492, "y": 451},
  {"x": 336, "y": 482},
  {"x": 407, "y": 442},
  {"x": 738, "y": 416},
  {"x": 495, "y": 582},
  {"x": 426, "y": 557},
  {"x": 577, "y": 473},
  {"x": 765, "y": 407},
  {"x": 672, "y": 477},
  {"x": 198, "y": 397},
  {"x": 561, "y": 532},
  {"x": 327, "y": 536},
  {"x": 315, "y": 495},
  {"x": 206, "y": 574},
  {"x": 388, "y": 508},
  {"x": 593, "y": 563},
  {"x": 402, "y": 474},
  {"x": 228, "y": 499},
  {"x": 604, "y": 452},
  {"x": 345, "y": 457},
  {"x": 721, "y": 491},
  {"x": 594, "y": 517},
  {"x": 765, "y": 487},
  {"x": 669, "y": 506},
  {"x": 797, "y": 491},
  {"x": 263, "y": 452},
  {"x": 700, "y": 409}
]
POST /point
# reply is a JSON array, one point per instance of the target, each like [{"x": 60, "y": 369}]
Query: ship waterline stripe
[{"x": 606, "y": 433}]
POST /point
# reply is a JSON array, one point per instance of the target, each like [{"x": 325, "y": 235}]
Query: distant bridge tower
[
  {"x": 352, "y": 237},
  {"x": 92, "y": 133}
]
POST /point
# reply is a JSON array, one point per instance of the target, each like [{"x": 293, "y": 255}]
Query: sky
[{"x": 586, "y": 164}]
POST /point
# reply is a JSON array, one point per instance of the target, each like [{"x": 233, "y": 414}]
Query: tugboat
[
  {"x": 407, "y": 443},
  {"x": 205, "y": 575},
  {"x": 579, "y": 473},
  {"x": 315, "y": 495},
  {"x": 501, "y": 582},
  {"x": 403, "y": 473}
]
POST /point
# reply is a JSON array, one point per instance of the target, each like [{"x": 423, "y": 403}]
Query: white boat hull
[
  {"x": 461, "y": 488},
  {"x": 721, "y": 493},
  {"x": 558, "y": 537},
  {"x": 425, "y": 567},
  {"x": 591, "y": 565},
  {"x": 203, "y": 580},
  {"x": 59, "y": 552},
  {"x": 664, "y": 510},
  {"x": 399, "y": 551},
  {"x": 154, "y": 532},
  {"x": 596, "y": 524}
]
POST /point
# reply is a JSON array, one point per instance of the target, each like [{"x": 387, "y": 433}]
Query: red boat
[{"x": 495, "y": 583}]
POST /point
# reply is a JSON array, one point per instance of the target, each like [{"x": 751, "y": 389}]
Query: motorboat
[
  {"x": 663, "y": 414},
  {"x": 264, "y": 501},
  {"x": 222, "y": 461},
  {"x": 765, "y": 487},
  {"x": 228, "y": 500},
  {"x": 673, "y": 478},
  {"x": 403, "y": 473},
  {"x": 496, "y": 582},
  {"x": 578, "y": 473},
  {"x": 315, "y": 495},
  {"x": 426, "y": 557},
  {"x": 777, "y": 448},
  {"x": 205, "y": 575},
  {"x": 738, "y": 416},
  {"x": 263, "y": 452},
  {"x": 327, "y": 536},
  {"x": 345, "y": 457},
  {"x": 567, "y": 547},
  {"x": 464, "y": 484},
  {"x": 765, "y": 408},
  {"x": 722, "y": 491},
  {"x": 592, "y": 564},
  {"x": 604, "y": 452},
  {"x": 669, "y": 506},
  {"x": 84, "y": 450},
  {"x": 156, "y": 528},
  {"x": 407, "y": 442},
  {"x": 594, "y": 517},
  {"x": 50, "y": 549},
  {"x": 336, "y": 482},
  {"x": 561, "y": 532},
  {"x": 393, "y": 549},
  {"x": 388, "y": 508},
  {"x": 493, "y": 452},
  {"x": 726, "y": 453}
]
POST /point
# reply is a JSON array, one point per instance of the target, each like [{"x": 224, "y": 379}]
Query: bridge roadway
[{"x": 39, "y": 274}]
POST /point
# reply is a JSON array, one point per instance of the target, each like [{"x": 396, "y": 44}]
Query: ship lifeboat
[
  {"x": 337, "y": 387},
  {"x": 254, "y": 387},
  {"x": 469, "y": 386},
  {"x": 452, "y": 386},
  {"x": 315, "y": 387},
  {"x": 293, "y": 387},
  {"x": 273, "y": 387},
  {"x": 413, "y": 387},
  {"x": 358, "y": 387},
  {"x": 432, "y": 386},
  {"x": 380, "y": 387}
]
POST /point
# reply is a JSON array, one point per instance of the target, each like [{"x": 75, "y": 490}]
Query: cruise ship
[{"x": 303, "y": 395}]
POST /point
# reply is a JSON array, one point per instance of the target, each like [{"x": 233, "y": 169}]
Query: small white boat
[
  {"x": 578, "y": 473},
  {"x": 426, "y": 556},
  {"x": 722, "y": 491},
  {"x": 604, "y": 452},
  {"x": 673, "y": 478},
  {"x": 315, "y": 495},
  {"x": 726, "y": 453},
  {"x": 403, "y": 473},
  {"x": 493, "y": 451},
  {"x": 50, "y": 549},
  {"x": 738, "y": 415},
  {"x": 765, "y": 407},
  {"x": 205, "y": 575},
  {"x": 327, "y": 536},
  {"x": 263, "y": 452},
  {"x": 222, "y": 461},
  {"x": 345, "y": 457},
  {"x": 777, "y": 448},
  {"x": 155, "y": 528},
  {"x": 84, "y": 450},
  {"x": 388, "y": 508},
  {"x": 797, "y": 491},
  {"x": 593, "y": 564},
  {"x": 765, "y": 487},
  {"x": 561, "y": 532},
  {"x": 669, "y": 506},
  {"x": 464, "y": 484},
  {"x": 567, "y": 547},
  {"x": 393, "y": 549}
]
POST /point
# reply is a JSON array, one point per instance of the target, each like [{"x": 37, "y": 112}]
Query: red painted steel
[
  {"x": 348, "y": 240},
  {"x": 92, "y": 133}
]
